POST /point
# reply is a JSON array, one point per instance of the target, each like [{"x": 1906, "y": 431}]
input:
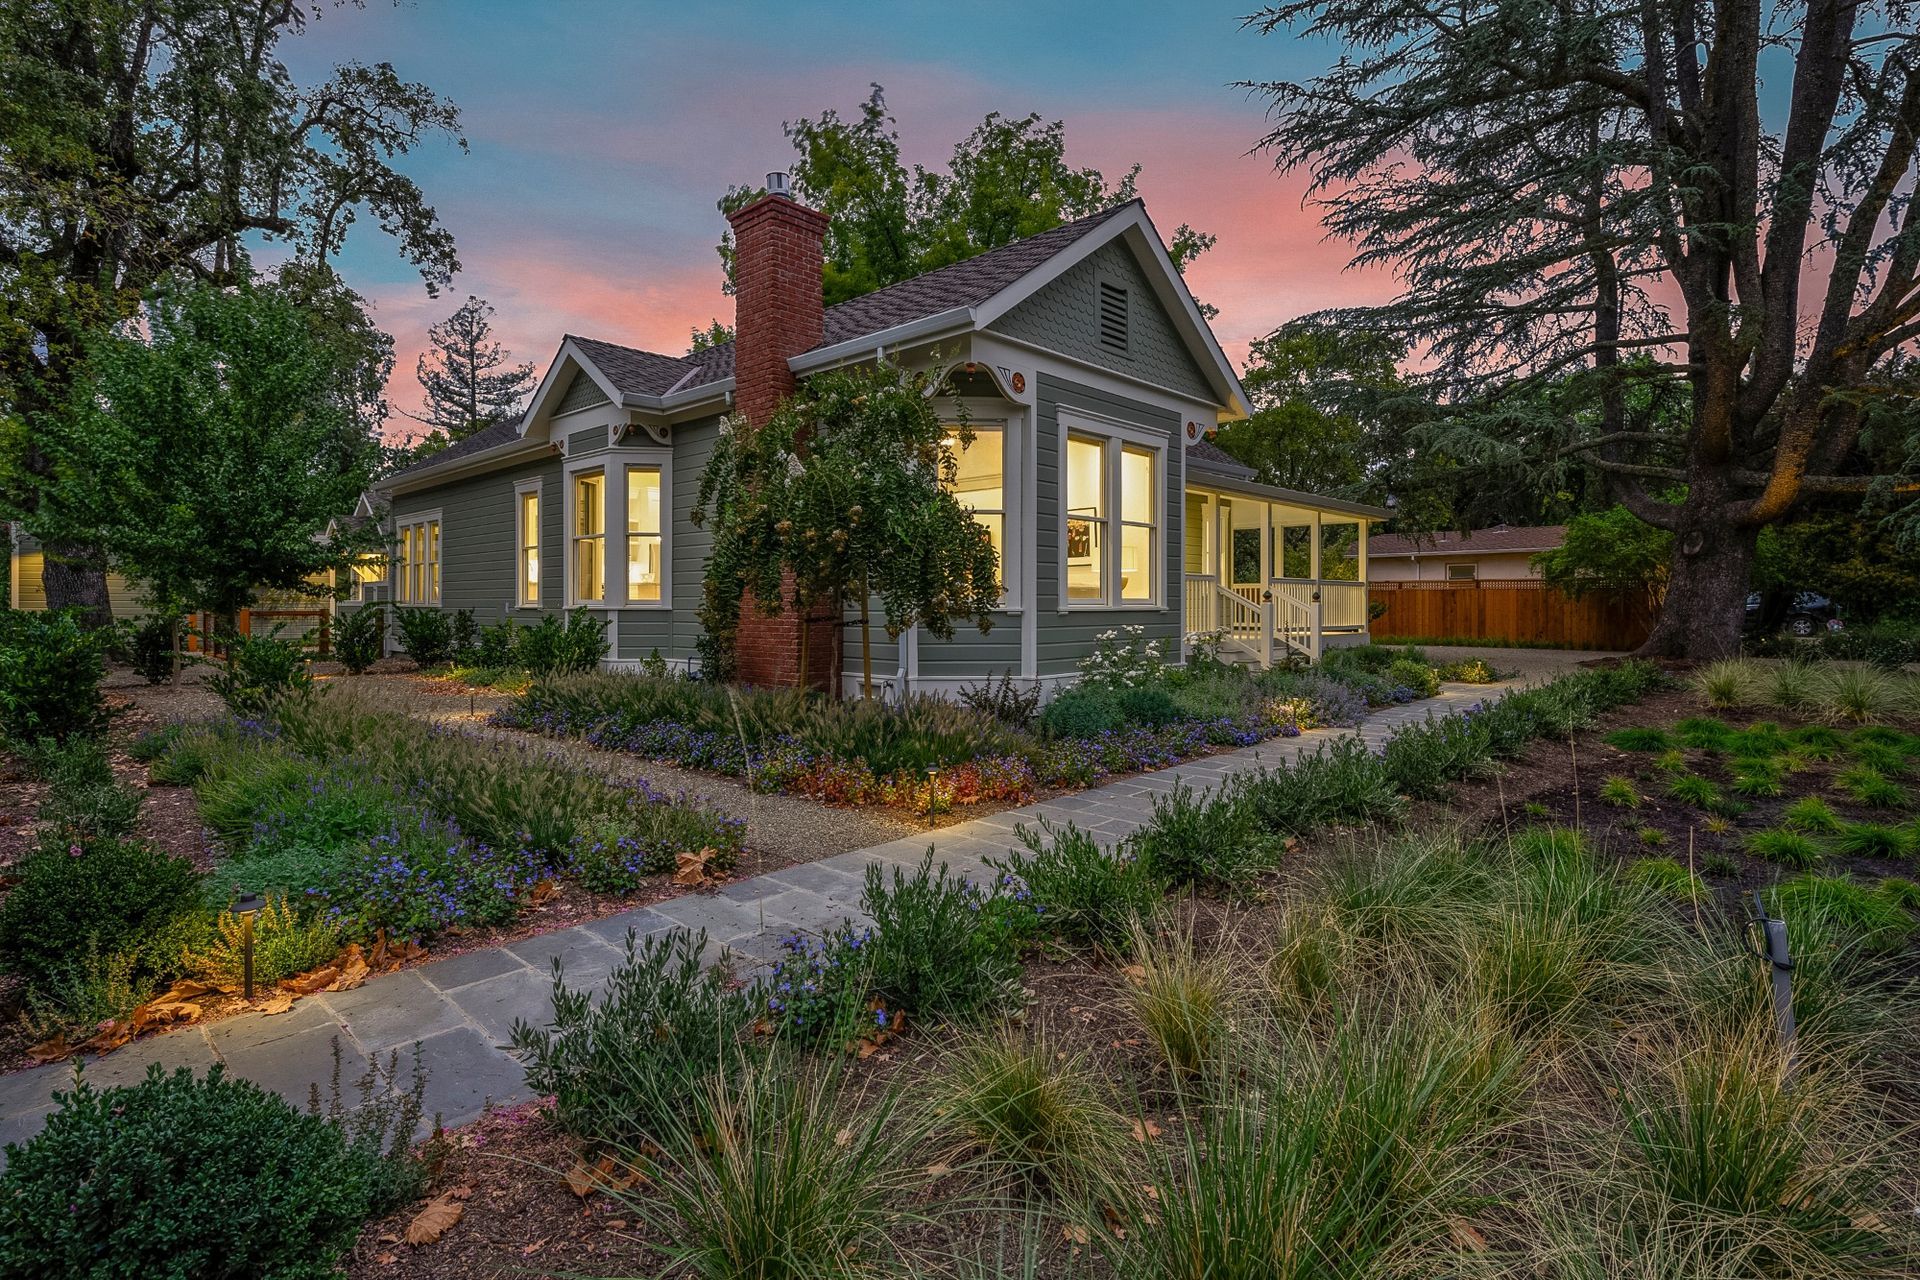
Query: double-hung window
[
  {"x": 526, "y": 501},
  {"x": 1112, "y": 552},
  {"x": 980, "y": 483},
  {"x": 420, "y": 560},
  {"x": 366, "y": 572},
  {"x": 645, "y": 571},
  {"x": 589, "y": 537}
]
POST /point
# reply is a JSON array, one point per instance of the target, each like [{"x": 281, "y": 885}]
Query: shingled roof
[
  {"x": 486, "y": 438},
  {"x": 1469, "y": 542}
]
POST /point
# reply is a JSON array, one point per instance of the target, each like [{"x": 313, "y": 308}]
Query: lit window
[
  {"x": 1137, "y": 533},
  {"x": 529, "y": 550},
  {"x": 1086, "y": 519},
  {"x": 643, "y": 533},
  {"x": 1113, "y": 547},
  {"x": 367, "y": 571},
  {"x": 420, "y": 561},
  {"x": 980, "y": 483},
  {"x": 589, "y": 537}
]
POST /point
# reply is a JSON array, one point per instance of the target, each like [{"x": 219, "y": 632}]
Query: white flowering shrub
[{"x": 1122, "y": 659}]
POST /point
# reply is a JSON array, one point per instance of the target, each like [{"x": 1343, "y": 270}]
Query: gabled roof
[{"x": 1470, "y": 542}]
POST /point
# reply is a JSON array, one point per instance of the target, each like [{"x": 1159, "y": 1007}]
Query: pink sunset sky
[{"x": 602, "y": 134}]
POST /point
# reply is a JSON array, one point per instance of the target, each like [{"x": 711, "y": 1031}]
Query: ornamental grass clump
[
  {"x": 1870, "y": 787},
  {"x": 1667, "y": 878},
  {"x": 1873, "y": 840},
  {"x": 1182, "y": 993},
  {"x": 1812, "y": 815},
  {"x": 1620, "y": 792},
  {"x": 1729, "y": 682},
  {"x": 1034, "y": 1113},
  {"x": 1788, "y": 848}
]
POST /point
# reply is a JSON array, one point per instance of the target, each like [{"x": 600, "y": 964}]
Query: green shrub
[
  {"x": 1083, "y": 711},
  {"x": 81, "y": 997},
  {"x": 150, "y": 649},
  {"x": 497, "y": 648},
  {"x": 181, "y": 1178},
  {"x": 941, "y": 947},
  {"x": 463, "y": 636},
  {"x": 51, "y": 667},
  {"x": 260, "y": 672},
  {"x": 284, "y": 944},
  {"x": 155, "y": 743},
  {"x": 361, "y": 636},
  {"x": 1080, "y": 891},
  {"x": 111, "y": 892},
  {"x": 1150, "y": 705},
  {"x": 1788, "y": 848},
  {"x": 1639, "y": 740},
  {"x": 558, "y": 647},
  {"x": 1417, "y": 676},
  {"x": 621, "y": 1068},
  {"x": 426, "y": 634},
  {"x": 1213, "y": 837},
  {"x": 1424, "y": 760},
  {"x": 84, "y": 801},
  {"x": 921, "y": 732},
  {"x": 1341, "y": 782}
]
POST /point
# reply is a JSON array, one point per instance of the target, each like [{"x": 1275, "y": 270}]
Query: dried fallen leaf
[
  {"x": 939, "y": 1170},
  {"x": 1114, "y": 1222},
  {"x": 616, "y": 1224},
  {"x": 385, "y": 1259},
  {"x": 1144, "y": 1129},
  {"x": 1076, "y": 1234},
  {"x": 691, "y": 868},
  {"x": 434, "y": 1220},
  {"x": 278, "y": 1003},
  {"x": 542, "y": 891},
  {"x": 843, "y": 1138},
  {"x": 528, "y": 1250},
  {"x": 51, "y": 1050},
  {"x": 1136, "y": 974},
  {"x": 1466, "y": 1236}
]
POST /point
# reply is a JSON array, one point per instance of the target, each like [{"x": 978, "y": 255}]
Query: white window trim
[
  {"x": 613, "y": 463},
  {"x": 537, "y": 487},
  {"x": 1113, "y": 436},
  {"x": 1472, "y": 573},
  {"x": 1013, "y": 577},
  {"x": 419, "y": 519}
]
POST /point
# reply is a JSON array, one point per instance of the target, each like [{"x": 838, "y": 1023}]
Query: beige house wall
[{"x": 1502, "y": 566}]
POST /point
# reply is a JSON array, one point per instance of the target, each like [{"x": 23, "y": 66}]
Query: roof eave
[
  {"x": 951, "y": 322},
  {"x": 676, "y": 401},
  {"x": 1274, "y": 493},
  {"x": 484, "y": 460}
]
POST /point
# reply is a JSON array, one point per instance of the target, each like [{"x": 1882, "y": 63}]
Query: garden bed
[{"x": 954, "y": 1201}]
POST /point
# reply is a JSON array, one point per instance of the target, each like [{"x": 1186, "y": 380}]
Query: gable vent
[{"x": 1113, "y": 316}]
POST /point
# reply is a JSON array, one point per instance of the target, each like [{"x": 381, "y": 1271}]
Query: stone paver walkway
[{"x": 459, "y": 1010}]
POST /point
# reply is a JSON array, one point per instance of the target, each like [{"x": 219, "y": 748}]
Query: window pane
[
  {"x": 643, "y": 567},
  {"x": 587, "y": 569},
  {"x": 1136, "y": 485},
  {"x": 1086, "y": 512},
  {"x": 1086, "y": 561},
  {"x": 1339, "y": 552},
  {"x": 996, "y": 527},
  {"x": 588, "y": 511},
  {"x": 643, "y": 499},
  {"x": 979, "y": 469},
  {"x": 433, "y": 560},
  {"x": 1136, "y": 562},
  {"x": 530, "y": 547}
]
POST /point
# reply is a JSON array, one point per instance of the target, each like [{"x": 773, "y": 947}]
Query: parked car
[{"x": 1808, "y": 614}]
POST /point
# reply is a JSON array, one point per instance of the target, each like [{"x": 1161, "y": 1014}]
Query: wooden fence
[{"x": 1523, "y": 612}]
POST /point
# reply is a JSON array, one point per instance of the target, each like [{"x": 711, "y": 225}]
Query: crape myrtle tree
[
  {"x": 1607, "y": 194},
  {"x": 208, "y": 445},
  {"x": 142, "y": 140},
  {"x": 843, "y": 498}
]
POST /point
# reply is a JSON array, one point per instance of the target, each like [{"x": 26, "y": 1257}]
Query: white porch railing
[
  {"x": 1299, "y": 612},
  {"x": 1243, "y": 625}
]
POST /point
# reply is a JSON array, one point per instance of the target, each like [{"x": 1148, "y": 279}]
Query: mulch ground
[{"x": 522, "y": 1219}]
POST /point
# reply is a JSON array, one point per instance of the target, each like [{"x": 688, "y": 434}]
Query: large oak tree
[
  {"x": 1608, "y": 191},
  {"x": 146, "y": 139}
]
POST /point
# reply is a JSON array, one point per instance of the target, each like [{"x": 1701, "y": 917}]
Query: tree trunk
[
  {"x": 1706, "y": 602},
  {"x": 74, "y": 579}
]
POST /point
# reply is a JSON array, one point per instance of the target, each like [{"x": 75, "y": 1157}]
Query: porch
[{"x": 1273, "y": 572}]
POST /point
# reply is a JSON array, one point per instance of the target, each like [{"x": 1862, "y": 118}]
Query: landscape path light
[{"x": 246, "y": 906}]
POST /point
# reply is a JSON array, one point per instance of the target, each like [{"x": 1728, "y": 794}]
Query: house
[
  {"x": 1500, "y": 554},
  {"x": 1091, "y": 382}
]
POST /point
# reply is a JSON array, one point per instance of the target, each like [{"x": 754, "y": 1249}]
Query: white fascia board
[
  {"x": 679, "y": 401},
  {"x": 948, "y": 323},
  {"x": 485, "y": 460},
  {"x": 553, "y": 385},
  {"x": 997, "y": 348}
]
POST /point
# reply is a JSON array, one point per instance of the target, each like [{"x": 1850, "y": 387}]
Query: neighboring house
[
  {"x": 1090, "y": 380},
  {"x": 27, "y": 590},
  {"x": 1500, "y": 554}
]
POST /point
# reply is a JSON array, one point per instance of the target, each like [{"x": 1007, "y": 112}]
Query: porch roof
[{"x": 1209, "y": 467}]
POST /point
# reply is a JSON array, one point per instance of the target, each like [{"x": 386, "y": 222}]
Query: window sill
[{"x": 1139, "y": 606}]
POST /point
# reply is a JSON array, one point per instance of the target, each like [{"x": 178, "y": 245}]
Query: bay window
[
  {"x": 1113, "y": 549},
  {"x": 589, "y": 537},
  {"x": 644, "y": 568}
]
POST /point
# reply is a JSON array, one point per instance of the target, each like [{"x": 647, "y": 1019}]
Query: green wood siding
[
  {"x": 1066, "y": 637},
  {"x": 479, "y": 528},
  {"x": 582, "y": 393},
  {"x": 1064, "y": 317}
]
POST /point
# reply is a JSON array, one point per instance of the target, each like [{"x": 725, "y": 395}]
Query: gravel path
[{"x": 1529, "y": 665}]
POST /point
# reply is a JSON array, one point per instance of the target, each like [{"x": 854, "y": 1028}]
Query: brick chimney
[{"x": 778, "y": 313}]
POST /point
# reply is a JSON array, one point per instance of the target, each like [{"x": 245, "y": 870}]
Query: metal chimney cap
[{"x": 777, "y": 185}]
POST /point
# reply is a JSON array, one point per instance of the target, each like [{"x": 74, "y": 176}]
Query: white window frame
[
  {"x": 660, "y": 461},
  {"x": 593, "y": 464},
  {"x": 1113, "y": 438},
  {"x": 537, "y": 487},
  {"x": 420, "y": 521},
  {"x": 357, "y": 585},
  {"x": 1012, "y": 579},
  {"x": 1472, "y": 573}
]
